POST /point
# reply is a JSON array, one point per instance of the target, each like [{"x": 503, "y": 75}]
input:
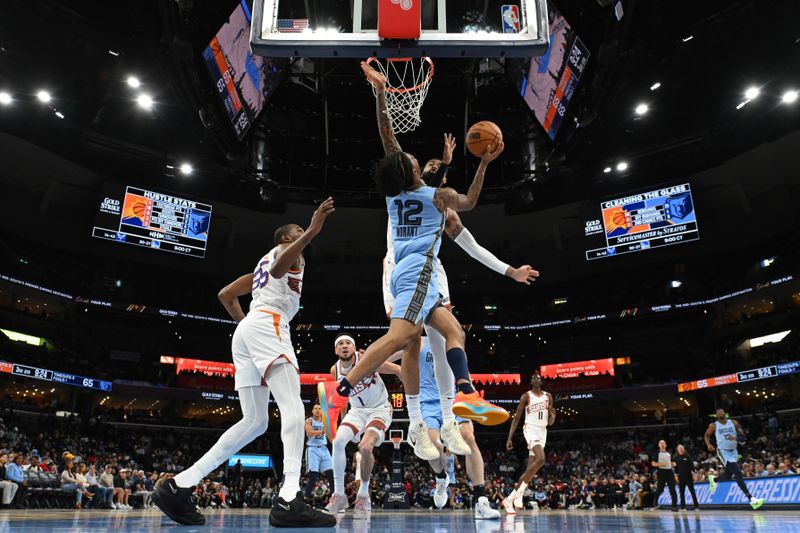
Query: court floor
[{"x": 235, "y": 520}]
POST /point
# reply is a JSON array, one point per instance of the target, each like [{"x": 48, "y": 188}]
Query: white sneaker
[
  {"x": 451, "y": 437},
  {"x": 115, "y": 506},
  {"x": 508, "y": 505},
  {"x": 362, "y": 508},
  {"x": 440, "y": 496},
  {"x": 518, "y": 503},
  {"x": 422, "y": 443},
  {"x": 337, "y": 504},
  {"x": 483, "y": 511}
]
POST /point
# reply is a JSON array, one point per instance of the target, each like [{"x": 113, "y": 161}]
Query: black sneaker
[
  {"x": 178, "y": 503},
  {"x": 297, "y": 513}
]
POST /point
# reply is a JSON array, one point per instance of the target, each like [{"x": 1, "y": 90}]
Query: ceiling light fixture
[
  {"x": 752, "y": 93},
  {"x": 114, "y": 53},
  {"x": 44, "y": 96},
  {"x": 607, "y": 170},
  {"x": 133, "y": 82},
  {"x": 144, "y": 101},
  {"x": 186, "y": 169},
  {"x": 687, "y": 38},
  {"x": 59, "y": 114},
  {"x": 642, "y": 109},
  {"x": 655, "y": 86},
  {"x": 789, "y": 97},
  {"x": 5, "y": 98},
  {"x": 622, "y": 166}
]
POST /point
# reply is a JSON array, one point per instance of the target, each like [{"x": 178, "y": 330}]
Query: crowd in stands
[{"x": 103, "y": 467}]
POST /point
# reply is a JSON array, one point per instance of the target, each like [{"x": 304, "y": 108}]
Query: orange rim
[{"x": 409, "y": 89}]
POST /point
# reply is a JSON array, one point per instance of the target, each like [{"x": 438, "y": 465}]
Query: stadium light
[
  {"x": 186, "y": 169},
  {"x": 768, "y": 339},
  {"x": 752, "y": 93},
  {"x": 687, "y": 38},
  {"x": 5, "y": 98},
  {"x": 145, "y": 101},
  {"x": 606, "y": 170},
  {"x": 44, "y": 96},
  {"x": 622, "y": 166},
  {"x": 133, "y": 82},
  {"x": 655, "y": 86},
  {"x": 789, "y": 97},
  {"x": 764, "y": 263},
  {"x": 642, "y": 109},
  {"x": 59, "y": 114},
  {"x": 675, "y": 284}
]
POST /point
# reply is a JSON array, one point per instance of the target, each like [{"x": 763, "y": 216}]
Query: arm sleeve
[{"x": 468, "y": 243}]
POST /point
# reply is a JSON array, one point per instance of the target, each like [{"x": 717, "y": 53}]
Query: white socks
[
  {"x": 520, "y": 490},
  {"x": 414, "y": 413},
  {"x": 445, "y": 379},
  {"x": 283, "y": 382},
  {"x": 255, "y": 416},
  {"x": 343, "y": 435}
]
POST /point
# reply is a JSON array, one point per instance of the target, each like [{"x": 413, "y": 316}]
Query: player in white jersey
[
  {"x": 265, "y": 363},
  {"x": 367, "y": 419},
  {"x": 539, "y": 413}
]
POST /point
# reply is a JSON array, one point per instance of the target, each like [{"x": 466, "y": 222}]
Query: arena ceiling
[{"x": 703, "y": 55}]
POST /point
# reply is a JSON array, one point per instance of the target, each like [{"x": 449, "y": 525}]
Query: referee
[
  {"x": 683, "y": 464},
  {"x": 665, "y": 475}
]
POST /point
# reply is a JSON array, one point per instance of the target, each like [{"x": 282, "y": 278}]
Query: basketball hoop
[
  {"x": 396, "y": 436},
  {"x": 407, "y": 86}
]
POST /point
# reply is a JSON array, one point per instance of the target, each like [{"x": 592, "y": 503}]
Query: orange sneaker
[
  {"x": 475, "y": 408},
  {"x": 332, "y": 404}
]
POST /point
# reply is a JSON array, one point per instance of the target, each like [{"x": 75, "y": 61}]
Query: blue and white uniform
[
  {"x": 727, "y": 445},
  {"x": 318, "y": 456},
  {"x": 416, "y": 227},
  {"x": 429, "y": 404},
  {"x": 451, "y": 469}
]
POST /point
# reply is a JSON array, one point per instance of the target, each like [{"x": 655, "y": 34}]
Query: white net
[{"x": 407, "y": 83}]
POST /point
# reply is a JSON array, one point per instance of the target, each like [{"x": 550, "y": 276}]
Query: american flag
[{"x": 292, "y": 25}]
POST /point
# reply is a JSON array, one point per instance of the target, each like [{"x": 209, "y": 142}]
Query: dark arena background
[{"x": 150, "y": 150}]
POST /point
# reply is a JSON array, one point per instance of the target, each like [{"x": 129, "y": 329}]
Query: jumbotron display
[
  {"x": 131, "y": 215},
  {"x": 643, "y": 221}
]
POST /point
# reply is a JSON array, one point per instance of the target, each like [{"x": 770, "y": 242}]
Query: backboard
[{"x": 358, "y": 28}]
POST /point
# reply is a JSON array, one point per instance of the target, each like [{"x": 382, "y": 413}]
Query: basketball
[{"x": 481, "y": 135}]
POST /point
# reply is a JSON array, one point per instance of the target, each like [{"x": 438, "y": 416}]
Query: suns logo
[{"x": 405, "y": 5}]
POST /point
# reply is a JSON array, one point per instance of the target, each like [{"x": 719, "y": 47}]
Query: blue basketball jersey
[
  {"x": 726, "y": 436},
  {"x": 428, "y": 390},
  {"x": 416, "y": 224},
  {"x": 319, "y": 440}
]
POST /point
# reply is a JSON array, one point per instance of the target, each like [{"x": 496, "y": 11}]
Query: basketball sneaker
[
  {"x": 297, "y": 513},
  {"x": 508, "y": 505},
  {"x": 712, "y": 484},
  {"x": 338, "y": 503},
  {"x": 440, "y": 495},
  {"x": 518, "y": 502},
  {"x": 178, "y": 503},
  {"x": 484, "y": 511},
  {"x": 477, "y": 409},
  {"x": 362, "y": 508},
  {"x": 331, "y": 404},
  {"x": 421, "y": 442},
  {"x": 451, "y": 437},
  {"x": 755, "y": 503}
]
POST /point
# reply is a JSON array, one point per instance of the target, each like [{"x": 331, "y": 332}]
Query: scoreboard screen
[
  {"x": 638, "y": 222},
  {"x": 131, "y": 215}
]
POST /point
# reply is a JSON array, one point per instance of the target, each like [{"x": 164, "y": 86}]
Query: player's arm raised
[
  {"x": 229, "y": 295},
  {"x": 290, "y": 255},
  {"x": 378, "y": 81},
  {"x": 447, "y": 197},
  {"x": 707, "y": 437},
  {"x": 523, "y": 403},
  {"x": 464, "y": 238}
]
